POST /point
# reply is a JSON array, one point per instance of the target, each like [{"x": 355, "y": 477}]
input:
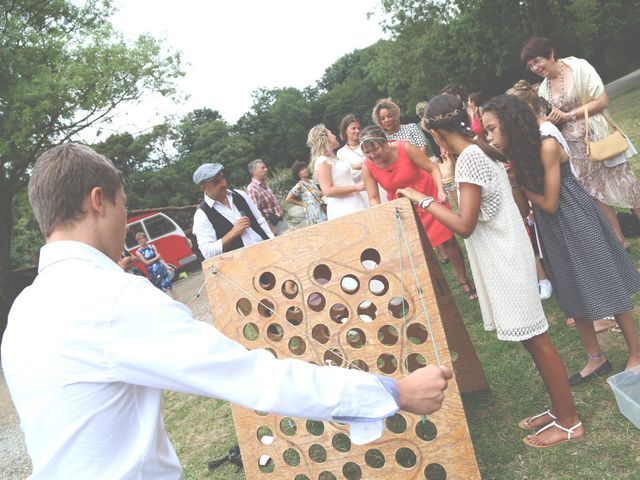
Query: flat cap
[{"x": 206, "y": 172}]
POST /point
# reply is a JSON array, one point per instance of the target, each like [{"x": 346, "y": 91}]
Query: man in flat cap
[
  {"x": 264, "y": 198},
  {"x": 226, "y": 219}
]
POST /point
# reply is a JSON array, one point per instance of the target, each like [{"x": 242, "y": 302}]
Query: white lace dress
[
  {"x": 340, "y": 177},
  {"x": 500, "y": 253}
]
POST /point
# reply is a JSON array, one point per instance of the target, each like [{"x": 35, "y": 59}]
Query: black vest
[{"x": 222, "y": 226}]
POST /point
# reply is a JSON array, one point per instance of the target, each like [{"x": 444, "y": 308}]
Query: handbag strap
[
  {"x": 311, "y": 192},
  {"x": 606, "y": 116}
]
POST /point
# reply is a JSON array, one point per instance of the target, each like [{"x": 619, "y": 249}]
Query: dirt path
[{"x": 14, "y": 461}]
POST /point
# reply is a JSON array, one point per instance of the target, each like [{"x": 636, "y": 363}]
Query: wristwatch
[{"x": 425, "y": 202}]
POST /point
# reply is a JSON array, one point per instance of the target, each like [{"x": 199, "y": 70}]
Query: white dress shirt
[
  {"x": 88, "y": 350},
  {"x": 208, "y": 242}
]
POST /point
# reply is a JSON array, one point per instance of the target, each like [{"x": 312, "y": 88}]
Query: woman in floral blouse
[{"x": 306, "y": 194}]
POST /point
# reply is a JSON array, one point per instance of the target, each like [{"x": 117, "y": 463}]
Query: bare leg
[
  {"x": 455, "y": 255},
  {"x": 554, "y": 375},
  {"x": 628, "y": 326},
  {"x": 610, "y": 213},
  {"x": 443, "y": 254},
  {"x": 590, "y": 341},
  {"x": 539, "y": 270}
]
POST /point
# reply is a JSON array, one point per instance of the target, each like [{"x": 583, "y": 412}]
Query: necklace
[
  {"x": 354, "y": 150},
  {"x": 561, "y": 83}
]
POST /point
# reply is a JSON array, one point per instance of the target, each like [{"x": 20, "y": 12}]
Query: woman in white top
[
  {"x": 352, "y": 152},
  {"x": 333, "y": 175}
]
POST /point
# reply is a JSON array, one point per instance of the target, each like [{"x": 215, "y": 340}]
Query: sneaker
[{"x": 545, "y": 288}]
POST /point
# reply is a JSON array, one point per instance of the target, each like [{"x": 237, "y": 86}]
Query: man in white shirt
[
  {"x": 88, "y": 348},
  {"x": 226, "y": 219}
]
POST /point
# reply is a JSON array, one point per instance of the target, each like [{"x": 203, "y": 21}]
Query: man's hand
[
  {"x": 240, "y": 226},
  {"x": 422, "y": 392}
]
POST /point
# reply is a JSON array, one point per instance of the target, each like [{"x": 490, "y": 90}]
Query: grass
[{"x": 202, "y": 429}]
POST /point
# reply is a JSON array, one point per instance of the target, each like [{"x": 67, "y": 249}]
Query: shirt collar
[
  {"x": 211, "y": 202},
  {"x": 258, "y": 182},
  {"x": 71, "y": 250}
]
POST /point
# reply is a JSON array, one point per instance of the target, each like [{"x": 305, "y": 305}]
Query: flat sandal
[
  {"x": 523, "y": 423},
  {"x": 569, "y": 432}
]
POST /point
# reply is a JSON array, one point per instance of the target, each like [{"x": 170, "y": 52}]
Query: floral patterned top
[{"x": 311, "y": 196}]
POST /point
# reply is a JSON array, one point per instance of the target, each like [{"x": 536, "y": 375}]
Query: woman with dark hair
[
  {"x": 475, "y": 101},
  {"x": 591, "y": 272},
  {"x": 572, "y": 87},
  {"x": 501, "y": 260},
  {"x": 306, "y": 194},
  {"x": 158, "y": 271},
  {"x": 400, "y": 164}
]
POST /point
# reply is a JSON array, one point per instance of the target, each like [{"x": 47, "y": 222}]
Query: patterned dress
[
  {"x": 615, "y": 186},
  {"x": 500, "y": 253},
  {"x": 591, "y": 272},
  {"x": 157, "y": 273},
  {"x": 310, "y": 195}
]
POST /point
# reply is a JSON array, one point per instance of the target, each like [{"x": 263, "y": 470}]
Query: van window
[
  {"x": 132, "y": 230},
  {"x": 158, "y": 225}
]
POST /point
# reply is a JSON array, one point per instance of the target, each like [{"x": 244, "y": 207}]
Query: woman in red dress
[{"x": 400, "y": 164}]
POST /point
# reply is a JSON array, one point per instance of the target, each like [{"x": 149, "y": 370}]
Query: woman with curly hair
[
  {"x": 501, "y": 260},
  {"x": 590, "y": 270}
]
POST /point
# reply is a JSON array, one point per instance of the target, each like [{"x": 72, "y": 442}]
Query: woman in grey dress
[{"x": 590, "y": 270}]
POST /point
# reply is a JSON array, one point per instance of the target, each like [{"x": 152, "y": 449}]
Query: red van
[{"x": 164, "y": 234}]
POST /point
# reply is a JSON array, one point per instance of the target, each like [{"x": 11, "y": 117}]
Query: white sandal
[
  {"x": 569, "y": 431},
  {"x": 523, "y": 423}
]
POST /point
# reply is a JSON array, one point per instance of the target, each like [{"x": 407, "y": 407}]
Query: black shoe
[{"x": 577, "y": 379}]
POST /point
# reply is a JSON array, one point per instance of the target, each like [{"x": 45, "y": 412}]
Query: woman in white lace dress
[
  {"x": 333, "y": 175},
  {"x": 501, "y": 260}
]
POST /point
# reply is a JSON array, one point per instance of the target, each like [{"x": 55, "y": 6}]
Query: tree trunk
[{"x": 7, "y": 293}]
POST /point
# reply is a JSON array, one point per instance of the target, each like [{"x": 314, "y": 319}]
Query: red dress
[{"x": 404, "y": 173}]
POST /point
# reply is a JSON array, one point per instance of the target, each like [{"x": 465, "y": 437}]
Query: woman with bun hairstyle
[
  {"x": 501, "y": 259},
  {"x": 590, "y": 270}
]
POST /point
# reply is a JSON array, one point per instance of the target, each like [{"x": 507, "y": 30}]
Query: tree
[{"x": 62, "y": 69}]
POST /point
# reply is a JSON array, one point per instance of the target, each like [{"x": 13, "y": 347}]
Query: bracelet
[
  {"x": 449, "y": 187},
  {"x": 448, "y": 180},
  {"x": 517, "y": 187}
]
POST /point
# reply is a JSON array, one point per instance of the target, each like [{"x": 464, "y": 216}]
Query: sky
[{"x": 231, "y": 48}]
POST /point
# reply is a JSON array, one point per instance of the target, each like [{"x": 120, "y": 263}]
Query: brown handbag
[{"x": 611, "y": 146}]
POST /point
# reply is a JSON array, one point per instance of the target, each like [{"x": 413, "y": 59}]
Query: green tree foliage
[
  {"x": 277, "y": 125},
  {"x": 62, "y": 69}
]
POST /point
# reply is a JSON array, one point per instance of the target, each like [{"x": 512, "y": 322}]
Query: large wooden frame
[{"x": 336, "y": 293}]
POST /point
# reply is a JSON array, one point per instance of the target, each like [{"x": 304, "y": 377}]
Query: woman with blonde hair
[
  {"x": 386, "y": 115},
  {"x": 333, "y": 175}
]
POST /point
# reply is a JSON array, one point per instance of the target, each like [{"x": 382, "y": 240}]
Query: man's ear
[
  {"x": 96, "y": 200},
  {"x": 202, "y": 189}
]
